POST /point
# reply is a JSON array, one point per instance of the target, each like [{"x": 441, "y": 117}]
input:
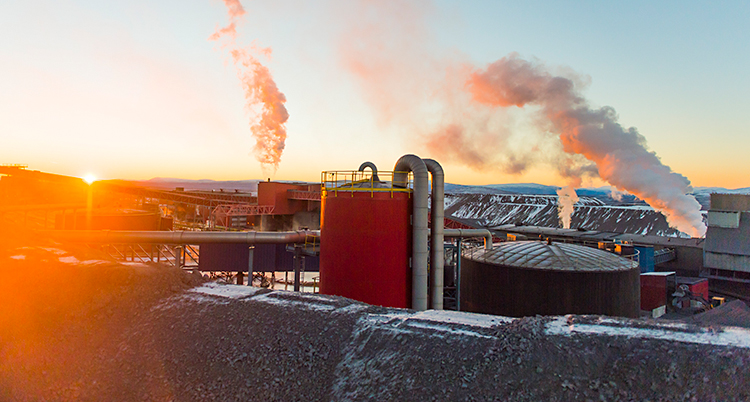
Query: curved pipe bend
[{"x": 372, "y": 167}]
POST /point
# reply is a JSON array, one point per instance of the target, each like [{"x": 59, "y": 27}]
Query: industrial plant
[
  {"x": 382, "y": 253},
  {"x": 371, "y": 236}
]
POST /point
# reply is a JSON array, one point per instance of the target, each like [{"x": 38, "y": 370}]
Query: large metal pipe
[
  {"x": 437, "y": 207},
  {"x": 464, "y": 233},
  {"x": 179, "y": 237},
  {"x": 372, "y": 167},
  {"x": 414, "y": 164}
]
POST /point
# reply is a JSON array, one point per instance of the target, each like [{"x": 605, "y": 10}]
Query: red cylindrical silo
[{"x": 365, "y": 246}]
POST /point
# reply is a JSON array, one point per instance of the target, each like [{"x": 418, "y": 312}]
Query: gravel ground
[{"x": 76, "y": 327}]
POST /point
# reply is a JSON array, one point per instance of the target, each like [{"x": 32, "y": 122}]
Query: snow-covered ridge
[
  {"x": 541, "y": 210},
  {"x": 462, "y": 324}
]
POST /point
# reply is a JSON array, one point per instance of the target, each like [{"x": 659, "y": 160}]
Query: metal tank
[
  {"x": 526, "y": 278},
  {"x": 366, "y": 238}
]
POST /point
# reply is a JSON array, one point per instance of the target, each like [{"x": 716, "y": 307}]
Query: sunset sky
[{"x": 135, "y": 89}]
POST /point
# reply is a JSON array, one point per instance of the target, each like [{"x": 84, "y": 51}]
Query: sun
[{"x": 89, "y": 178}]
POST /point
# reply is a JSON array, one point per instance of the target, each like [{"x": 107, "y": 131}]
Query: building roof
[
  {"x": 552, "y": 256},
  {"x": 594, "y": 235}
]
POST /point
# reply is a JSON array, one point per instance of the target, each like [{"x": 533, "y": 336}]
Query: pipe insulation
[
  {"x": 437, "y": 208},
  {"x": 414, "y": 164},
  {"x": 179, "y": 237}
]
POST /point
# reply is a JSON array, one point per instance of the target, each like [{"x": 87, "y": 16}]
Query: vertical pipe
[
  {"x": 406, "y": 164},
  {"x": 458, "y": 275},
  {"x": 437, "y": 257},
  {"x": 297, "y": 261}
]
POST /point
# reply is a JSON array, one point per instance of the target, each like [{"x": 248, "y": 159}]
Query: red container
[
  {"x": 654, "y": 289},
  {"x": 698, "y": 286},
  {"x": 365, "y": 246}
]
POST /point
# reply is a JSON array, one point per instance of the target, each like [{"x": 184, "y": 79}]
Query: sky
[{"x": 135, "y": 89}]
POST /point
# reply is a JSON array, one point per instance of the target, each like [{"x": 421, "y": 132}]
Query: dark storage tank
[
  {"x": 365, "y": 240},
  {"x": 526, "y": 278}
]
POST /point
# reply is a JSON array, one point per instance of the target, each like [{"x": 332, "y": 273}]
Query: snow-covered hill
[{"x": 590, "y": 213}]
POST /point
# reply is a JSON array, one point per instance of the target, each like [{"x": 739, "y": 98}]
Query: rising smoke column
[
  {"x": 261, "y": 92},
  {"x": 566, "y": 199},
  {"x": 620, "y": 154},
  {"x": 464, "y": 114}
]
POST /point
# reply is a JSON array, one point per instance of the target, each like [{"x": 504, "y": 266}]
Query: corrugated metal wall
[
  {"x": 520, "y": 292},
  {"x": 224, "y": 257},
  {"x": 275, "y": 257}
]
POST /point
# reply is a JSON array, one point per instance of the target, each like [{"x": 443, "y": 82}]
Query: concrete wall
[
  {"x": 730, "y": 202},
  {"x": 688, "y": 261},
  {"x": 276, "y": 223},
  {"x": 304, "y": 219},
  {"x": 731, "y": 262}
]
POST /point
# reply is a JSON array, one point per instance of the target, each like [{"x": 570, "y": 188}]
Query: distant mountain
[
  {"x": 703, "y": 194},
  {"x": 465, "y": 189},
  {"x": 591, "y": 213},
  {"x": 722, "y": 190},
  {"x": 164, "y": 183},
  {"x": 246, "y": 186},
  {"x": 602, "y": 193},
  {"x": 526, "y": 188}
]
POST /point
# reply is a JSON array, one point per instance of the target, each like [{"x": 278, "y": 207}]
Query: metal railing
[
  {"x": 184, "y": 256},
  {"x": 353, "y": 180},
  {"x": 664, "y": 255}
]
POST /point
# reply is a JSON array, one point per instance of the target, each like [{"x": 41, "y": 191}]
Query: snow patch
[
  {"x": 56, "y": 251},
  {"x": 462, "y": 318},
  {"x": 228, "y": 291},
  {"x": 727, "y": 336},
  {"x": 442, "y": 323},
  {"x": 443, "y": 330},
  {"x": 133, "y": 263},
  {"x": 94, "y": 262},
  {"x": 69, "y": 260},
  {"x": 271, "y": 299}
]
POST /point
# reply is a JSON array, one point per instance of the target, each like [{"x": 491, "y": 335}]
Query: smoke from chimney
[
  {"x": 620, "y": 154},
  {"x": 264, "y": 100},
  {"x": 566, "y": 199},
  {"x": 480, "y": 118}
]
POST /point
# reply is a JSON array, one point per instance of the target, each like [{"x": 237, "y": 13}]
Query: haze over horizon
[{"x": 136, "y": 90}]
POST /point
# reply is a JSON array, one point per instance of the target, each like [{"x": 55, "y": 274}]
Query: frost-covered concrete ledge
[{"x": 359, "y": 352}]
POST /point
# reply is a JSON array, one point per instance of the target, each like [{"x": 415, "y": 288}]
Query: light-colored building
[{"x": 726, "y": 253}]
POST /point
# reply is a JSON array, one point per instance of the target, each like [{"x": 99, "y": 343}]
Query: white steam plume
[
  {"x": 471, "y": 116},
  {"x": 268, "y": 125},
  {"x": 566, "y": 199},
  {"x": 620, "y": 154}
]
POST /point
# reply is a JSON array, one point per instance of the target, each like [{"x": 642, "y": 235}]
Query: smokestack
[{"x": 268, "y": 126}]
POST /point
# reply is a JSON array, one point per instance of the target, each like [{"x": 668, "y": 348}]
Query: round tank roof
[{"x": 552, "y": 256}]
